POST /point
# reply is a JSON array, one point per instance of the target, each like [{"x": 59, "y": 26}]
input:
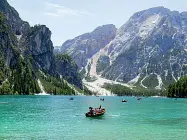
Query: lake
[{"x": 58, "y": 118}]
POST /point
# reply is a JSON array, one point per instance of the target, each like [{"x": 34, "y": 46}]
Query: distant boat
[
  {"x": 123, "y": 101},
  {"x": 95, "y": 112},
  {"x": 139, "y": 98},
  {"x": 102, "y": 99},
  {"x": 71, "y": 98}
]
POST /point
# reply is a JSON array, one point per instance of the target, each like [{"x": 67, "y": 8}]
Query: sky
[{"x": 70, "y": 18}]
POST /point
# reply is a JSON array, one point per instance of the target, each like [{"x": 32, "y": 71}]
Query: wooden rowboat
[{"x": 95, "y": 113}]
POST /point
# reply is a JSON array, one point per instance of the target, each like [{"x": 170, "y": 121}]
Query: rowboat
[
  {"x": 71, "y": 98},
  {"x": 95, "y": 112},
  {"x": 123, "y": 101},
  {"x": 102, "y": 99}
]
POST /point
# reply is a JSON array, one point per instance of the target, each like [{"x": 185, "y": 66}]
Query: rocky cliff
[
  {"x": 37, "y": 43},
  {"x": 34, "y": 41},
  {"x": 6, "y": 42},
  {"x": 27, "y": 58},
  {"x": 15, "y": 73}
]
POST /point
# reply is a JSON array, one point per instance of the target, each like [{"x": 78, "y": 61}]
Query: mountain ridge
[
  {"x": 83, "y": 47},
  {"x": 148, "y": 51}
]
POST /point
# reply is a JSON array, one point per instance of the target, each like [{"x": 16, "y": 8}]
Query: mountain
[
  {"x": 85, "y": 46},
  {"x": 150, "y": 47},
  {"x": 28, "y": 65},
  {"x": 149, "y": 51}
]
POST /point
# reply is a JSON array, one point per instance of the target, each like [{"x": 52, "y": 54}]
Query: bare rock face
[
  {"x": 85, "y": 46},
  {"x": 37, "y": 43},
  {"x": 7, "y": 50},
  {"x": 17, "y": 25}
]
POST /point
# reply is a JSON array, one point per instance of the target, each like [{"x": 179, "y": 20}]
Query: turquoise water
[{"x": 56, "y": 117}]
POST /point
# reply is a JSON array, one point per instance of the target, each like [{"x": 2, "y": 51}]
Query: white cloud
[
  {"x": 51, "y": 14},
  {"x": 56, "y": 10}
]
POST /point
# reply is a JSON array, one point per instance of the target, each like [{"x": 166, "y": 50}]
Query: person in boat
[
  {"x": 91, "y": 110},
  {"x": 100, "y": 107}
]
